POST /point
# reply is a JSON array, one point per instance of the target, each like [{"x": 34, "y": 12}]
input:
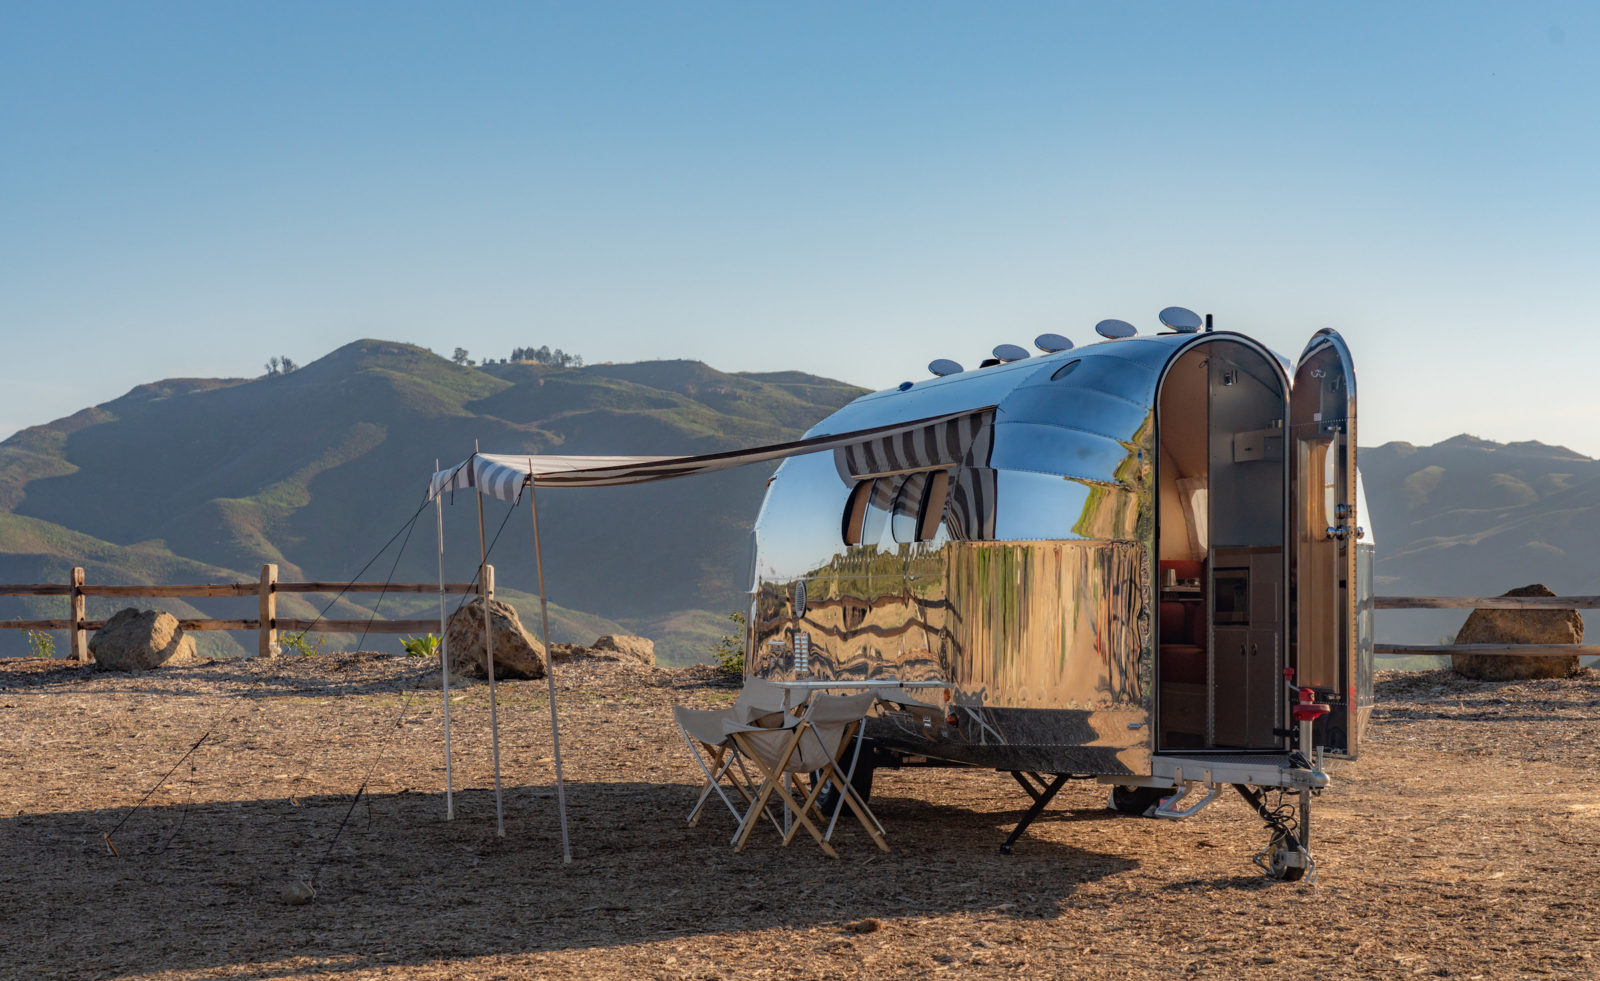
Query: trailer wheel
[
  {"x": 1136, "y": 800},
  {"x": 1278, "y": 857},
  {"x": 861, "y": 781}
]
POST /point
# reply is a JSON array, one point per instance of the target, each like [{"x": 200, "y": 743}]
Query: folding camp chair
[
  {"x": 816, "y": 743},
  {"x": 716, "y": 754}
]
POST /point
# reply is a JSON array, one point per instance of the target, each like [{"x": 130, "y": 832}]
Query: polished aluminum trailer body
[{"x": 1014, "y": 555}]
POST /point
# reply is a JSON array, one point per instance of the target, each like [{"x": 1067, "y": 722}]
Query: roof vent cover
[{"x": 1180, "y": 319}]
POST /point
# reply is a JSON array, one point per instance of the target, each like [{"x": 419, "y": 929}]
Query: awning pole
[
  {"x": 484, "y": 589},
  {"x": 549, "y": 670},
  {"x": 444, "y": 662}
]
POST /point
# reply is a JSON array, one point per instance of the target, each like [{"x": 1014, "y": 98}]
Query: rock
[
  {"x": 516, "y": 653},
  {"x": 138, "y": 640},
  {"x": 564, "y": 653},
  {"x": 297, "y": 893},
  {"x": 622, "y": 647},
  {"x": 1518, "y": 627}
]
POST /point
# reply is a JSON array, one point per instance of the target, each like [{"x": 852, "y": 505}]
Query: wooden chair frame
[{"x": 827, "y": 773}]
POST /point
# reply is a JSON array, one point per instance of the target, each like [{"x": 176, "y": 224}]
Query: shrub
[
  {"x": 298, "y": 644},
  {"x": 729, "y": 652},
  {"x": 425, "y": 646},
  {"x": 40, "y": 643}
]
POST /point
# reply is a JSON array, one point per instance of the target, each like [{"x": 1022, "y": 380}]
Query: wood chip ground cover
[{"x": 1463, "y": 844}]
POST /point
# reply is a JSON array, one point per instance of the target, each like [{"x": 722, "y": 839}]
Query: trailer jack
[{"x": 1286, "y": 857}]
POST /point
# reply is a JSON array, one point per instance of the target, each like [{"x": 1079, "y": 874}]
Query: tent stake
[
  {"x": 484, "y": 590},
  {"x": 549, "y": 670},
  {"x": 444, "y": 663}
]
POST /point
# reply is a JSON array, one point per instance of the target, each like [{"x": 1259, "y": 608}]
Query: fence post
[
  {"x": 267, "y": 634},
  {"x": 80, "y": 637}
]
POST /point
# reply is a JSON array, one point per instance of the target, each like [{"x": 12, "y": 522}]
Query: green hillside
[{"x": 206, "y": 479}]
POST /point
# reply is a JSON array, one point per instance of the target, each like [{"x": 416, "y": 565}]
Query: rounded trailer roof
[{"x": 1112, "y": 380}]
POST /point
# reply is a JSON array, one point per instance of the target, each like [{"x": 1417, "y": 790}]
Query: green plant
[
  {"x": 425, "y": 646},
  {"x": 729, "y": 652},
  {"x": 40, "y": 643},
  {"x": 301, "y": 646}
]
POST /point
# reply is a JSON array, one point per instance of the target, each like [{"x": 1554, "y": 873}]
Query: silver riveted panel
[
  {"x": 1057, "y": 449},
  {"x": 1080, "y": 406}
]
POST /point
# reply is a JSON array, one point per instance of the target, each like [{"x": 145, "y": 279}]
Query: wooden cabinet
[{"x": 1247, "y": 638}]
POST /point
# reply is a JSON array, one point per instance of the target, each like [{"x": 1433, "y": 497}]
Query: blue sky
[{"x": 847, "y": 189}]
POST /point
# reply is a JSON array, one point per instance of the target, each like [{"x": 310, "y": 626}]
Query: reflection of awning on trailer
[
  {"x": 503, "y": 475},
  {"x": 961, "y": 443}
]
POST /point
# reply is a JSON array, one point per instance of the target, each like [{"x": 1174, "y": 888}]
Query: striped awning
[{"x": 503, "y": 475}]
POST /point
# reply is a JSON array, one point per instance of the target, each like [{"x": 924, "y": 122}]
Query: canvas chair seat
[
  {"x": 814, "y": 742},
  {"x": 708, "y": 741}
]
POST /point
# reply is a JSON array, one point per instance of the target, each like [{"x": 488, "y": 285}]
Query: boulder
[
  {"x": 1518, "y": 627},
  {"x": 516, "y": 653},
  {"x": 565, "y": 653},
  {"x": 623, "y": 647},
  {"x": 138, "y": 640}
]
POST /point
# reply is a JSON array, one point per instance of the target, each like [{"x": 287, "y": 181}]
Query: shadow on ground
[
  {"x": 322, "y": 677},
  {"x": 400, "y": 885}
]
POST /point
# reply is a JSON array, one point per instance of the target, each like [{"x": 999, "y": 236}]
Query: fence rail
[
  {"x": 266, "y": 624},
  {"x": 1487, "y": 603}
]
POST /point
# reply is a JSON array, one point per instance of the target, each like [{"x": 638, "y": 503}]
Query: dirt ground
[{"x": 1463, "y": 844}]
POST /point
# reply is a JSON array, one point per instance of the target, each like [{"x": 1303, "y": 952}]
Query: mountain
[
  {"x": 197, "y": 480},
  {"x": 202, "y": 480},
  {"x": 1471, "y": 517}
]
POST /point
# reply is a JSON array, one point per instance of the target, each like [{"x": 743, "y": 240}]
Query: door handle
[{"x": 1340, "y": 532}]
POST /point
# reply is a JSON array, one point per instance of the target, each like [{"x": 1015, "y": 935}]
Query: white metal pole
[
  {"x": 444, "y": 661},
  {"x": 549, "y": 670},
  {"x": 484, "y": 590}
]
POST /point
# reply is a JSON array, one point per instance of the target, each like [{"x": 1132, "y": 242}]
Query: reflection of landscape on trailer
[{"x": 1111, "y": 558}]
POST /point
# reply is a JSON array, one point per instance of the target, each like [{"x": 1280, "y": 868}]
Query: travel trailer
[{"x": 1138, "y": 561}]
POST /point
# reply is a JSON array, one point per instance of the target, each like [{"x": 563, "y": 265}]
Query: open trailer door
[{"x": 1325, "y": 651}]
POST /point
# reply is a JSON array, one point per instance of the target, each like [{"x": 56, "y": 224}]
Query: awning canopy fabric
[{"x": 502, "y": 475}]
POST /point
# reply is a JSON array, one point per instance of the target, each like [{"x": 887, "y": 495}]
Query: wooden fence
[
  {"x": 266, "y": 624},
  {"x": 1488, "y": 603}
]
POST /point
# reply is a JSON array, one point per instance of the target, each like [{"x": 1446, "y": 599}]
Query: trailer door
[{"x": 1324, "y": 649}]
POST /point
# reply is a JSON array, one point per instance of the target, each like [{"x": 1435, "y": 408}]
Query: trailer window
[
  {"x": 855, "y": 512},
  {"x": 931, "y": 518},
  {"x": 867, "y": 512},
  {"x": 908, "y": 504}
]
